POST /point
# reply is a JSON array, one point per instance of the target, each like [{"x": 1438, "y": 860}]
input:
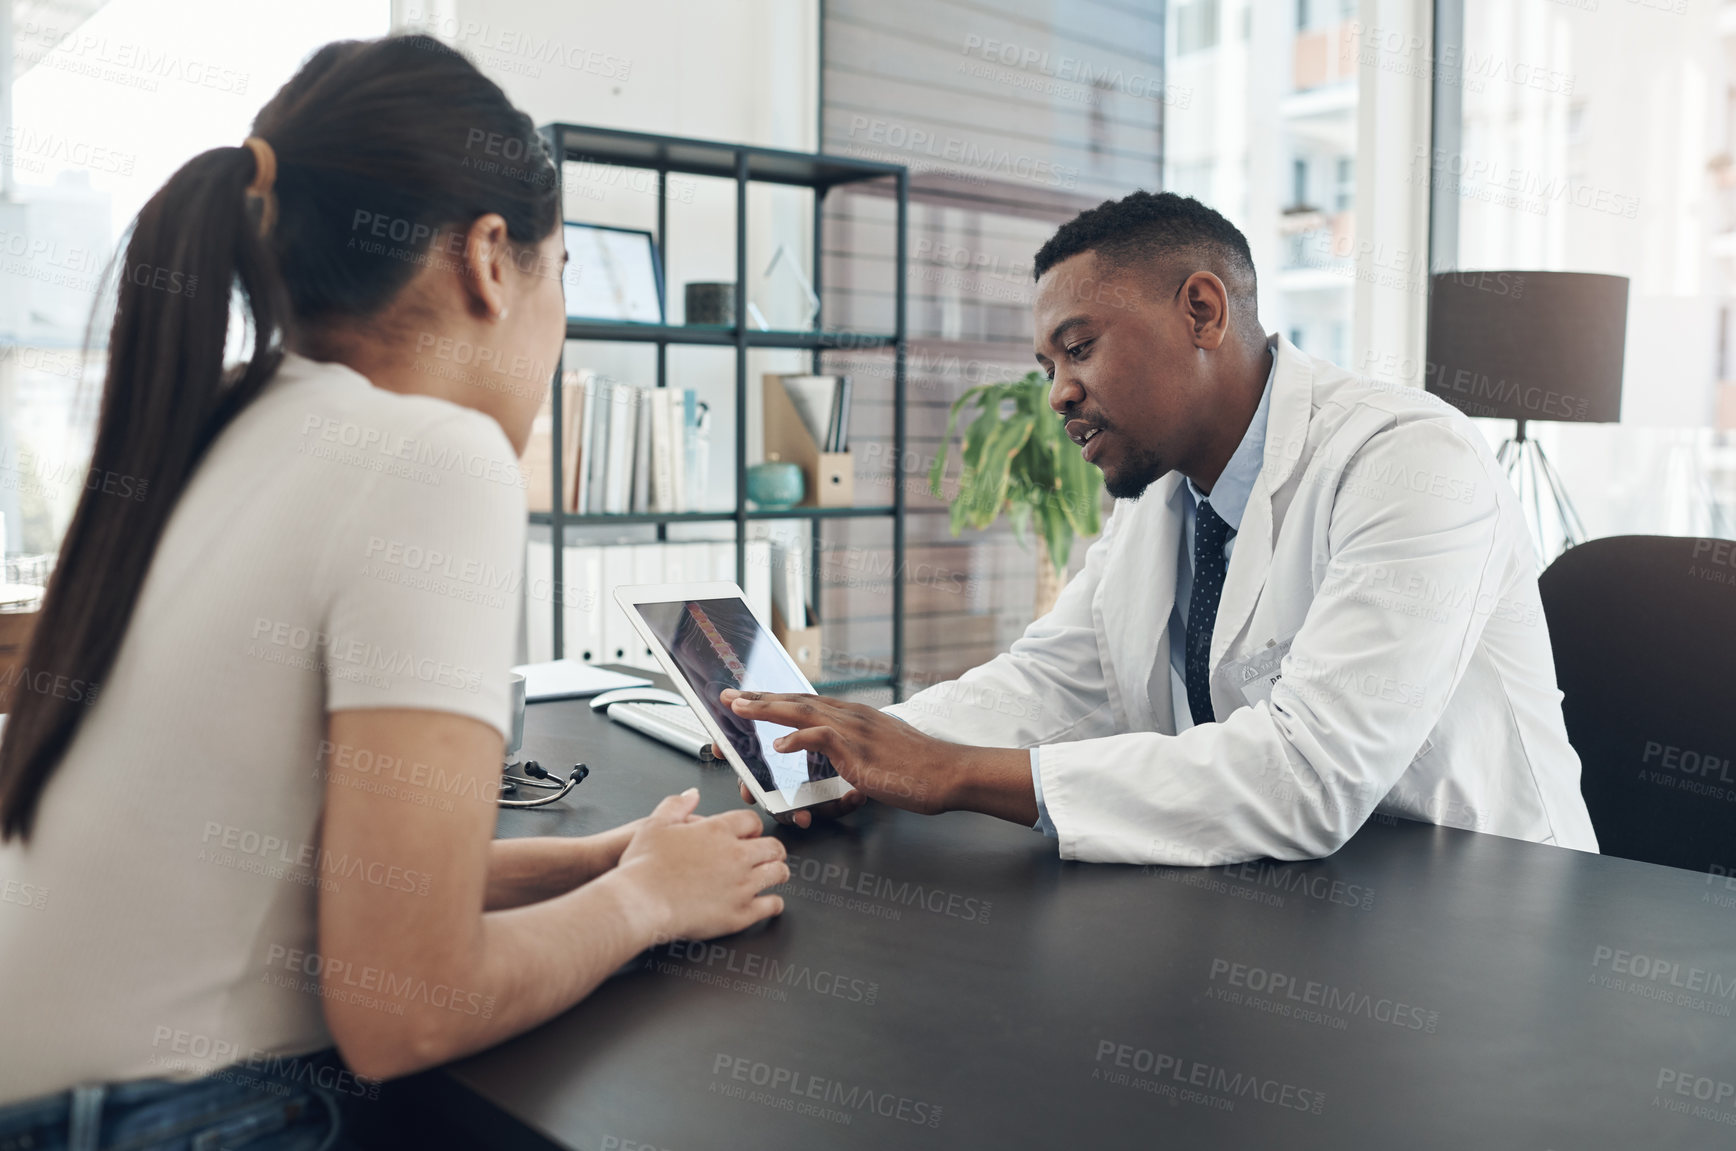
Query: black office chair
[{"x": 1644, "y": 632}]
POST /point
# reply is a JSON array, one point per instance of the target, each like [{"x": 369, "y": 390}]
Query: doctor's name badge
[
  {"x": 1256, "y": 675},
  {"x": 1315, "y": 680}
]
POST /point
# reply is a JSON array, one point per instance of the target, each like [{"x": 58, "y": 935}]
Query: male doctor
[{"x": 1315, "y": 598}]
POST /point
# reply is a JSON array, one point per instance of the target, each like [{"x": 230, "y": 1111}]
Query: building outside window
[{"x": 1279, "y": 128}]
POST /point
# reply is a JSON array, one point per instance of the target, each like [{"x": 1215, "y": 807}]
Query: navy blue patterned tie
[{"x": 1211, "y": 533}]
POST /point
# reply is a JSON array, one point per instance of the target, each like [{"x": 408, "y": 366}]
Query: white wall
[
  {"x": 739, "y": 70},
  {"x": 744, "y": 71}
]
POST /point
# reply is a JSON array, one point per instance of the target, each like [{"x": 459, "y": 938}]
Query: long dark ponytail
[{"x": 402, "y": 130}]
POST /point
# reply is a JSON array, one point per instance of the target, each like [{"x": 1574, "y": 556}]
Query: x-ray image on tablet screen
[{"x": 718, "y": 644}]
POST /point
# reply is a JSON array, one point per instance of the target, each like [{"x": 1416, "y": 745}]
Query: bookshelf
[{"x": 745, "y": 165}]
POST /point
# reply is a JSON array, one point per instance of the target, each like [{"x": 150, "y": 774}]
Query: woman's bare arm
[
  {"x": 437, "y": 974},
  {"x": 530, "y": 870}
]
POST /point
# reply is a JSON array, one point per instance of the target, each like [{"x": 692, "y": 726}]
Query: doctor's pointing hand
[{"x": 887, "y": 759}]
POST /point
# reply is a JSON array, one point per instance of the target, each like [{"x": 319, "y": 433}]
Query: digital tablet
[{"x": 707, "y": 639}]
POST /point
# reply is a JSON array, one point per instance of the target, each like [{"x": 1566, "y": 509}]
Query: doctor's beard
[{"x": 1138, "y": 471}]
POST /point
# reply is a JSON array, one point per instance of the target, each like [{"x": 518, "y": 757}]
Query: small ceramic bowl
[{"x": 775, "y": 484}]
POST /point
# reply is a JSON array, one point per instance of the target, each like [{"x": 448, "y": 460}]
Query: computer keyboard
[{"x": 671, "y": 723}]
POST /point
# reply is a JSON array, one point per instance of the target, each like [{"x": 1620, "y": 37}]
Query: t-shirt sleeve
[{"x": 424, "y": 578}]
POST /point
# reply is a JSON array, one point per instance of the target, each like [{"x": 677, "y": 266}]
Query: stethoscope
[{"x": 535, "y": 776}]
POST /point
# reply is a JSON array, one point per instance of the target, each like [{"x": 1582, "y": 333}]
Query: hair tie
[{"x": 264, "y": 176}]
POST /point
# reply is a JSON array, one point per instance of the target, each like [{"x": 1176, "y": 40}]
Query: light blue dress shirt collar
[
  {"x": 1229, "y": 499},
  {"x": 1229, "y": 496}
]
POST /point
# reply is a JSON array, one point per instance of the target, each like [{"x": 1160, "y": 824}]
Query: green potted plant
[{"x": 1018, "y": 459}]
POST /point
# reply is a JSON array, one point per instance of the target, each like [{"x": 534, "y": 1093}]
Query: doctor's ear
[{"x": 1207, "y": 304}]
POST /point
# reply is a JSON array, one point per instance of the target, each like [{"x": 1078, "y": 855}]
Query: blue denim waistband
[{"x": 80, "y": 1115}]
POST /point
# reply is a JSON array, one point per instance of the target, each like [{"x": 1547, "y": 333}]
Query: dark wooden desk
[{"x": 950, "y": 983}]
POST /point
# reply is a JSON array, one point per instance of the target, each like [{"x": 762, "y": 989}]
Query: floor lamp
[{"x": 1529, "y": 346}]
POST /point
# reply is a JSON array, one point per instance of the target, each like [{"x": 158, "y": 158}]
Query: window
[
  {"x": 1597, "y": 138},
  {"x": 1196, "y": 26},
  {"x": 1281, "y": 159},
  {"x": 89, "y": 143}
]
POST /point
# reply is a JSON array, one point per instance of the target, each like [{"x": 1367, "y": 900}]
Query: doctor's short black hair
[{"x": 1156, "y": 231}]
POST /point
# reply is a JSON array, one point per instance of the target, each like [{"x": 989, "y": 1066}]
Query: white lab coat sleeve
[
  {"x": 1402, "y": 573},
  {"x": 1049, "y": 686}
]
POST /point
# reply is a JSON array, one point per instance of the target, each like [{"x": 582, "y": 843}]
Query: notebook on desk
[{"x": 571, "y": 679}]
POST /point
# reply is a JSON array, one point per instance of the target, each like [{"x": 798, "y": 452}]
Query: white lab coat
[{"x": 1383, "y": 544}]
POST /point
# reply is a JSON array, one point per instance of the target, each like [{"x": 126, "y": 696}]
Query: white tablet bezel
[{"x": 808, "y": 794}]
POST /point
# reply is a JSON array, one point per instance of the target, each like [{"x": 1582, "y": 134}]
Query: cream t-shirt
[{"x": 340, "y": 547}]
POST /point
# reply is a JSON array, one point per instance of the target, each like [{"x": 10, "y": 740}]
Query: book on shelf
[
  {"x": 539, "y": 451},
  {"x": 642, "y": 452},
  {"x": 618, "y": 457},
  {"x": 598, "y": 396},
  {"x": 624, "y": 448},
  {"x": 696, "y": 447},
  {"x": 681, "y": 495},
  {"x": 662, "y": 456},
  {"x": 840, "y": 431},
  {"x": 789, "y": 565},
  {"x": 795, "y": 621},
  {"x": 580, "y": 477}
]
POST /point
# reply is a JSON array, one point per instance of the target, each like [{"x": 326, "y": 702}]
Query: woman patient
[{"x": 250, "y": 770}]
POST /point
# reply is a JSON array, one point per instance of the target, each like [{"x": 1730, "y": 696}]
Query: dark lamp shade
[{"x": 1528, "y": 345}]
